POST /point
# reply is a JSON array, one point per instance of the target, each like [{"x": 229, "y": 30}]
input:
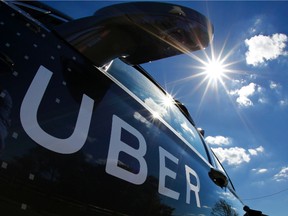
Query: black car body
[{"x": 86, "y": 131}]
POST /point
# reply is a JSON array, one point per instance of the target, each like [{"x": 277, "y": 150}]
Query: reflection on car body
[{"x": 90, "y": 132}]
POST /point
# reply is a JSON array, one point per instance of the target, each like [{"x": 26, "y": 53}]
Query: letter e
[{"x": 164, "y": 171}]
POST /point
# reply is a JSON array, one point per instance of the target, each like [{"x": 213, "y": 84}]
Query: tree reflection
[{"x": 222, "y": 208}]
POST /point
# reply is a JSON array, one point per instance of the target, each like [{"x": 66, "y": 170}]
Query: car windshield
[{"x": 161, "y": 105}]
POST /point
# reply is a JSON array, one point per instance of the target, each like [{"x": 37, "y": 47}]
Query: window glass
[
  {"x": 219, "y": 166},
  {"x": 161, "y": 104}
]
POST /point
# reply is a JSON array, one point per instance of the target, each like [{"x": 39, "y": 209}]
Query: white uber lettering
[
  {"x": 164, "y": 171},
  {"x": 191, "y": 187},
  {"x": 28, "y": 117},
  {"x": 117, "y": 145}
]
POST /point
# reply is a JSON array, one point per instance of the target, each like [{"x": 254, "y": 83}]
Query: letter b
[{"x": 117, "y": 145}]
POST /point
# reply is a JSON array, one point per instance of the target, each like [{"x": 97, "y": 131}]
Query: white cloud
[
  {"x": 260, "y": 149},
  {"x": 253, "y": 29},
  {"x": 244, "y": 93},
  {"x": 276, "y": 87},
  {"x": 247, "y": 90},
  {"x": 159, "y": 111},
  {"x": 263, "y": 100},
  {"x": 236, "y": 155},
  {"x": 252, "y": 151},
  {"x": 244, "y": 101},
  {"x": 142, "y": 119},
  {"x": 188, "y": 129},
  {"x": 260, "y": 171},
  {"x": 280, "y": 96},
  {"x": 263, "y": 48},
  {"x": 226, "y": 195},
  {"x": 218, "y": 140},
  {"x": 283, "y": 102},
  {"x": 282, "y": 175},
  {"x": 256, "y": 24},
  {"x": 273, "y": 85},
  {"x": 233, "y": 156}
]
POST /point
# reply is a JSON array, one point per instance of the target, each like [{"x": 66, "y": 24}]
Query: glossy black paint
[
  {"x": 138, "y": 32},
  {"x": 37, "y": 181}
]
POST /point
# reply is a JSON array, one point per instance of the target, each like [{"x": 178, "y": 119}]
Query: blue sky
[{"x": 244, "y": 110}]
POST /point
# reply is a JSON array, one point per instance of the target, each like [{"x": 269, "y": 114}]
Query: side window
[
  {"x": 161, "y": 105},
  {"x": 220, "y": 167}
]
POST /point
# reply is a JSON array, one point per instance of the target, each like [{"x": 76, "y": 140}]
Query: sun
[{"x": 214, "y": 70}]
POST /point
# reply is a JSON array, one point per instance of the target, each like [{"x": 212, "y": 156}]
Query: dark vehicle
[{"x": 84, "y": 130}]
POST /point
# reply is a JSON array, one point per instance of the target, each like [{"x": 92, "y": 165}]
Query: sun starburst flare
[{"x": 215, "y": 70}]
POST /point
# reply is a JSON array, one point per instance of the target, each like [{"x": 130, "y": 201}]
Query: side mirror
[
  {"x": 218, "y": 177},
  {"x": 201, "y": 131},
  {"x": 138, "y": 32},
  {"x": 252, "y": 212}
]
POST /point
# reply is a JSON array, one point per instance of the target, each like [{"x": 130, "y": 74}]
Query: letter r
[{"x": 191, "y": 187}]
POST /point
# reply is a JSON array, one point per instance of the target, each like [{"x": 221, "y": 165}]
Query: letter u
[{"x": 28, "y": 117}]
